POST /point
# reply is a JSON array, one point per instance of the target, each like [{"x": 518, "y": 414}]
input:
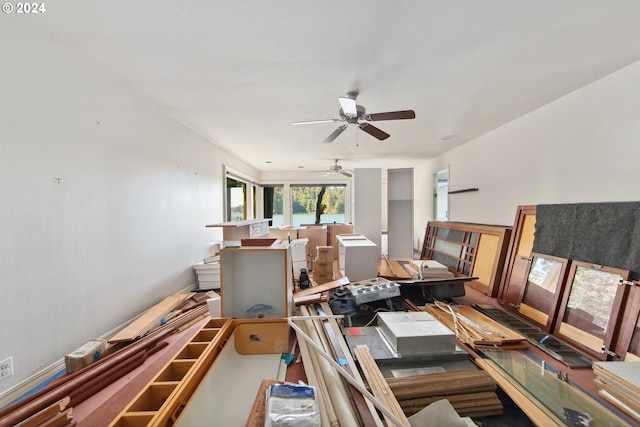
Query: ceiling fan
[
  {"x": 356, "y": 115},
  {"x": 336, "y": 168}
]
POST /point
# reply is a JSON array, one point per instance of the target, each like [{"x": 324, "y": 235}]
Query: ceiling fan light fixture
[{"x": 355, "y": 115}]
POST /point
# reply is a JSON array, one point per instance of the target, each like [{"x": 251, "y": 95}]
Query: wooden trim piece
[
  {"x": 520, "y": 230},
  {"x": 378, "y": 384},
  {"x": 149, "y": 319},
  {"x": 364, "y": 413},
  {"x": 343, "y": 281},
  {"x": 45, "y": 414}
]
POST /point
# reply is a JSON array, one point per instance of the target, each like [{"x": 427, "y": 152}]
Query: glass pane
[
  {"x": 591, "y": 300},
  {"x": 306, "y": 199},
  {"x": 445, "y": 260},
  {"x": 555, "y": 394},
  {"x": 542, "y": 284},
  {"x": 236, "y": 200},
  {"x": 273, "y": 203},
  {"x": 450, "y": 248},
  {"x": 455, "y": 235}
]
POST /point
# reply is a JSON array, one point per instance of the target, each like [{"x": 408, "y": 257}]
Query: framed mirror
[
  {"x": 590, "y": 314},
  {"x": 542, "y": 290}
]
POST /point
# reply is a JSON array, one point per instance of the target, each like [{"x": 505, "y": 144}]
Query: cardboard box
[
  {"x": 317, "y": 236},
  {"x": 284, "y": 233},
  {"x": 85, "y": 355}
]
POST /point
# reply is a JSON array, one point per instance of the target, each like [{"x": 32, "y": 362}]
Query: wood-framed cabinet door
[
  {"x": 591, "y": 312},
  {"x": 518, "y": 257},
  {"x": 629, "y": 334},
  {"x": 542, "y": 290}
]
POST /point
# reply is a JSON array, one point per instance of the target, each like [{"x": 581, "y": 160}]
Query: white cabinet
[
  {"x": 357, "y": 257},
  {"x": 400, "y": 213},
  {"x": 256, "y": 282}
]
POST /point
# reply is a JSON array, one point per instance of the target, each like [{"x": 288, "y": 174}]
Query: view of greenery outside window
[
  {"x": 236, "y": 200},
  {"x": 273, "y": 204},
  {"x": 314, "y": 204}
]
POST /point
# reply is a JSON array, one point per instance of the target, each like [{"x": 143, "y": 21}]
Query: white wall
[
  {"x": 583, "y": 147},
  {"x": 125, "y": 224}
]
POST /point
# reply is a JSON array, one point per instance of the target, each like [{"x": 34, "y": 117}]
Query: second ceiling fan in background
[{"x": 356, "y": 115}]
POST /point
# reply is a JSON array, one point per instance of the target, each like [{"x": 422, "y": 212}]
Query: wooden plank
[
  {"x": 392, "y": 269},
  {"x": 45, "y": 414},
  {"x": 475, "y": 328},
  {"x": 309, "y": 299},
  {"x": 441, "y": 383},
  {"x": 357, "y": 398},
  {"x": 343, "y": 281},
  {"x": 256, "y": 415},
  {"x": 149, "y": 319},
  {"x": 378, "y": 385}
]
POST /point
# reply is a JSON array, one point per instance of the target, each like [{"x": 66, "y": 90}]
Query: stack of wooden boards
[
  {"x": 158, "y": 315},
  {"x": 620, "y": 384},
  {"x": 53, "y": 403},
  {"x": 471, "y": 392},
  {"x": 476, "y": 329}
]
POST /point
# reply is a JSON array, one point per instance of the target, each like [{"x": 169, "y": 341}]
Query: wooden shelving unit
[
  {"x": 164, "y": 399},
  {"x": 160, "y": 400}
]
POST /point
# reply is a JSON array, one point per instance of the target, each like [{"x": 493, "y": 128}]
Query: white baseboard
[{"x": 22, "y": 388}]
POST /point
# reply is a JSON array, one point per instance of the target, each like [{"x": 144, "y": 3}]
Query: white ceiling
[{"x": 239, "y": 72}]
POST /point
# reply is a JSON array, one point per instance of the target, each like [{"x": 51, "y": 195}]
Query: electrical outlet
[{"x": 6, "y": 368}]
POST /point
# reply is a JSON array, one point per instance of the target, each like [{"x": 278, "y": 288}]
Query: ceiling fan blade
[
  {"x": 345, "y": 173},
  {"x": 392, "y": 115},
  {"x": 334, "y": 134},
  {"x": 374, "y": 131},
  {"x": 348, "y": 106},
  {"x": 310, "y": 122}
]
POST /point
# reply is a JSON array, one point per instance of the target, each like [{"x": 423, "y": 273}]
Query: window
[
  {"x": 236, "y": 200},
  {"x": 591, "y": 308},
  {"x": 273, "y": 207},
  {"x": 317, "y": 204}
]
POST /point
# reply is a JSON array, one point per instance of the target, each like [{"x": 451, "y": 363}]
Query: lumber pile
[
  {"x": 476, "y": 329},
  {"x": 152, "y": 318},
  {"x": 471, "y": 392},
  {"x": 620, "y": 384},
  {"x": 52, "y": 404},
  {"x": 378, "y": 385}
]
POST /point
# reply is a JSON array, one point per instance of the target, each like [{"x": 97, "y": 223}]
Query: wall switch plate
[{"x": 6, "y": 368}]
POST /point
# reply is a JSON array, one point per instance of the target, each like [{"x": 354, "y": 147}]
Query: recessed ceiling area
[{"x": 240, "y": 72}]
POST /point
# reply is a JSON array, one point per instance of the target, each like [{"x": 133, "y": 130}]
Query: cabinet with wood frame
[
  {"x": 470, "y": 250},
  {"x": 537, "y": 298},
  {"x": 519, "y": 293},
  {"x": 518, "y": 257},
  {"x": 590, "y": 315}
]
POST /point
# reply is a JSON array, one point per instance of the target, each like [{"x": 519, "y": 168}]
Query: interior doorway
[{"x": 441, "y": 195}]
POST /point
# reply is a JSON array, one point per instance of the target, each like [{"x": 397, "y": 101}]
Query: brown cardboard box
[
  {"x": 85, "y": 355},
  {"x": 334, "y": 230},
  {"x": 317, "y": 236},
  {"x": 324, "y": 254}
]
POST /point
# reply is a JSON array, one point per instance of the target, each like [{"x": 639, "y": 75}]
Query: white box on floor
[
  {"x": 208, "y": 274},
  {"x": 357, "y": 257},
  {"x": 214, "y": 304},
  {"x": 412, "y": 333}
]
